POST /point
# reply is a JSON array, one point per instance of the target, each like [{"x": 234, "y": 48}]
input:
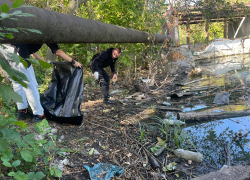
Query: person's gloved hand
[{"x": 96, "y": 75}]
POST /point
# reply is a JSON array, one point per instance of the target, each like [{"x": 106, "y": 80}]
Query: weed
[
  {"x": 142, "y": 131},
  {"x": 19, "y": 153},
  {"x": 91, "y": 82},
  {"x": 173, "y": 134}
]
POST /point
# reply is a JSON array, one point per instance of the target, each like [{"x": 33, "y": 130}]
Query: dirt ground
[{"x": 119, "y": 144}]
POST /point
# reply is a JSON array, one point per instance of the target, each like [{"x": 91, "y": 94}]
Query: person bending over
[
  {"x": 30, "y": 95},
  {"x": 100, "y": 61}
]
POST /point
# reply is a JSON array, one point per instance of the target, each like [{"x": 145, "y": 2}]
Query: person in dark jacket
[
  {"x": 98, "y": 62},
  {"x": 30, "y": 95}
]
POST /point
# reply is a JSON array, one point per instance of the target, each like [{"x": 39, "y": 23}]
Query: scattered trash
[
  {"x": 60, "y": 163},
  {"x": 221, "y": 98},
  {"x": 185, "y": 165},
  {"x": 61, "y": 138},
  {"x": 103, "y": 171},
  {"x": 173, "y": 122},
  {"x": 155, "y": 165},
  {"x": 224, "y": 166},
  {"x": 38, "y": 137},
  {"x": 160, "y": 150},
  {"x": 117, "y": 91},
  {"x": 166, "y": 104},
  {"x": 189, "y": 161},
  {"x": 54, "y": 131},
  {"x": 194, "y": 156},
  {"x": 150, "y": 82},
  {"x": 140, "y": 97},
  {"x": 168, "y": 97},
  {"x": 172, "y": 115},
  {"x": 180, "y": 94}
]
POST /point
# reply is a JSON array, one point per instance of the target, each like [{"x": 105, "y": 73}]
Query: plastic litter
[
  {"x": 173, "y": 122},
  {"x": 155, "y": 165},
  {"x": 166, "y": 104},
  {"x": 221, "y": 98},
  {"x": 189, "y": 155},
  {"x": 63, "y": 98},
  {"x": 103, "y": 171},
  {"x": 117, "y": 91}
]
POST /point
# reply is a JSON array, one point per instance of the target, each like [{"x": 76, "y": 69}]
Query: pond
[{"x": 232, "y": 76}]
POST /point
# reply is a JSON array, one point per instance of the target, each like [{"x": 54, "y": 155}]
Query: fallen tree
[{"x": 208, "y": 116}]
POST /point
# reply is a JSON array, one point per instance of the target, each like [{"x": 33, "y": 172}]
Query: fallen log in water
[
  {"x": 208, "y": 116},
  {"x": 169, "y": 108}
]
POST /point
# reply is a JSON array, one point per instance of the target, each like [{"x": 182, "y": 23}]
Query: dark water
[{"x": 210, "y": 137}]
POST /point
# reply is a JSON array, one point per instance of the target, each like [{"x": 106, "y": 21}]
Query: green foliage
[
  {"x": 174, "y": 134},
  {"x": 142, "y": 131},
  {"x": 19, "y": 153},
  {"x": 170, "y": 167}
]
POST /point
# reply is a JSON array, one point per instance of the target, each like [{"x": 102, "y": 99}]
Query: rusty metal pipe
[{"x": 63, "y": 28}]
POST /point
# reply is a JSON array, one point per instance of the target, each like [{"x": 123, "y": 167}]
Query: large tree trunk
[
  {"x": 208, "y": 116},
  {"x": 62, "y": 28}
]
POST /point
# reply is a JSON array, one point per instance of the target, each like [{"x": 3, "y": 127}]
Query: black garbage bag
[{"x": 62, "y": 100}]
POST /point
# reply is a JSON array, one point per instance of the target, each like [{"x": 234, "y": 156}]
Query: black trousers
[{"x": 103, "y": 81}]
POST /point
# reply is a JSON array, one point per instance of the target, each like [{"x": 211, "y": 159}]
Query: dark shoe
[
  {"x": 22, "y": 114},
  {"x": 108, "y": 102},
  {"x": 38, "y": 118}
]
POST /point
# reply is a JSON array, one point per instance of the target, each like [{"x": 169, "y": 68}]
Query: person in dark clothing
[
  {"x": 30, "y": 95},
  {"x": 98, "y": 62}
]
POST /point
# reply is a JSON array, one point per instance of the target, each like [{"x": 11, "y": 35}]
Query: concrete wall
[{"x": 243, "y": 31}]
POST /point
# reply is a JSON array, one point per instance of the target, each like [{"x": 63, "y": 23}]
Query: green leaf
[
  {"x": 21, "y": 124},
  {"x": 36, "y": 176},
  {"x": 11, "y": 134},
  {"x": 33, "y": 61},
  {"x": 12, "y": 30},
  {"x": 5, "y": 8},
  {"x": 1, "y": 78},
  {"x": 16, "y": 163},
  {"x": 25, "y": 15},
  {"x": 91, "y": 151},
  {"x": 18, "y": 175},
  {"x": 26, "y": 156},
  {"x": 4, "y": 15},
  {"x": 7, "y": 94},
  {"x": 25, "y": 64},
  {"x": 7, "y": 164},
  {"x": 58, "y": 173},
  {"x": 17, "y": 3},
  {"x": 14, "y": 74},
  {"x": 28, "y": 137},
  {"x": 15, "y": 58},
  {"x": 45, "y": 64},
  {"x": 17, "y": 12},
  {"x": 10, "y": 36},
  {"x": 3, "y": 145},
  {"x": 34, "y": 31},
  {"x": 51, "y": 144}
]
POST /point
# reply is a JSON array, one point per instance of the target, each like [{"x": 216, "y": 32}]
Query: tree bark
[
  {"x": 63, "y": 28},
  {"x": 208, "y": 116}
]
